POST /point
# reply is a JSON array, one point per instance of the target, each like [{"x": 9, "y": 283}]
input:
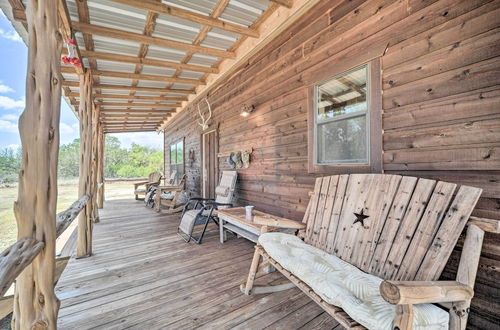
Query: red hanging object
[{"x": 71, "y": 58}]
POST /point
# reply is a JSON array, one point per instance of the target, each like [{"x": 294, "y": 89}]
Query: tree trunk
[
  {"x": 85, "y": 223},
  {"x": 35, "y": 304},
  {"x": 100, "y": 168},
  {"x": 95, "y": 140}
]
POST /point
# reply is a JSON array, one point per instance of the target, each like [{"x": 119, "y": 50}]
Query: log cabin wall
[{"x": 441, "y": 115}]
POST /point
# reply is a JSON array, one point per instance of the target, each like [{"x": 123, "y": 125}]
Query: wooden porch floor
[{"x": 143, "y": 276}]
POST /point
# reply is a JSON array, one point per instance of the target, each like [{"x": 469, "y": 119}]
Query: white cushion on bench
[{"x": 343, "y": 285}]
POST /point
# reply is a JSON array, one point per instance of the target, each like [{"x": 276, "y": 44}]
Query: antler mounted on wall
[{"x": 204, "y": 122}]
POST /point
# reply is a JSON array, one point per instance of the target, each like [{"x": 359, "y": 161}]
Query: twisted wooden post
[
  {"x": 85, "y": 221},
  {"x": 100, "y": 168},
  {"x": 35, "y": 304}
]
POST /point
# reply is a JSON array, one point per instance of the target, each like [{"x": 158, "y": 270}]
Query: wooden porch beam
[
  {"x": 163, "y": 9},
  {"x": 137, "y": 37},
  {"x": 132, "y": 88},
  {"x": 125, "y": 75},
  {"x": 139, "y": 97},
  {"x": 131, "y": 130},
  {"x": 284, "y": 3},
  {"x": 147, "y": 61},
  {"x": 138, "y": 111},
  {"x": 35, "y": 303},
  {"x": 139, "y": 105}
]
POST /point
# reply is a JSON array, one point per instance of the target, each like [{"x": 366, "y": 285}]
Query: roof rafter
[
  {"x": 140, "y": 38},
  {"x": 146, "y": 61},
  {"x": 163, "y": 9},
  {"x": 284, "y": 3}
]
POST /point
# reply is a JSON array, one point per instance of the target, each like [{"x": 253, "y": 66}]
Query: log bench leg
[
  {"x": 404, "y": 317},
  {"x": 253, "y": 270}
]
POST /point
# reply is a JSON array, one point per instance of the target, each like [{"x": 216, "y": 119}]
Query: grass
[{"x": 67, "y": 194}]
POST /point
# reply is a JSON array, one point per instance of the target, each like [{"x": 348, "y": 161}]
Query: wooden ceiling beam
[
  {"x": 284, "y": 3},
  {"x": 130, "y": 97},
  {"x": 146, "y": 61},
  {"x": 136, "y": 111},
  {"x": 140, "y": 38},
  {"x": 163, "y": 9},
  {"x": 133, "y": 115},
  {"x": 140, "y": 76},
  {"x": 126, "y": 75},
  {"x": 137, "y": 105},
  {"x": 131, "y": 88}
]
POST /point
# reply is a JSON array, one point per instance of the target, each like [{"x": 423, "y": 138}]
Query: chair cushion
[
  {"x": 140, "y": 190},
  {"x": 221, "y": 191},
  {"x": 169, "y": 195},
  {"x": 343, "y": 285},
  {"x": 188, "y": 220}
]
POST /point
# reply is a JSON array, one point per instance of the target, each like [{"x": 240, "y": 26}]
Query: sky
[{"x": 13, "y": 58}]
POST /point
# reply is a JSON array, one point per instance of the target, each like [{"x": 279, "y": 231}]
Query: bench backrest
[{"x": 392, "y": 226}]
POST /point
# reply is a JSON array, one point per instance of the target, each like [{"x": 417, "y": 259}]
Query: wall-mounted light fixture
[{"x": 246, "y": 110}]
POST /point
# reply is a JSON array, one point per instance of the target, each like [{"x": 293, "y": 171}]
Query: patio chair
[
  {"x": 200, "y": 211},
  {"x": 373, "y": 248},
  {"x": 168, "y": 196},
  {"x": 153, "y": 179}
]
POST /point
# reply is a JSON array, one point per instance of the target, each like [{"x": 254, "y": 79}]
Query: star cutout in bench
[{"x": 360, "y": 217}]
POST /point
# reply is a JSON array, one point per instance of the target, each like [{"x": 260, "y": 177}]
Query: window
[
  {"x": 177, "y": 158},
  {"x": 345, "y": 120}
]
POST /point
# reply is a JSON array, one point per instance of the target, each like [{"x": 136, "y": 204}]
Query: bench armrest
[
  {"x": 278, "y": 222},
  {"x": 423, "y": 292},
  {"x": 489, "y": 225}
]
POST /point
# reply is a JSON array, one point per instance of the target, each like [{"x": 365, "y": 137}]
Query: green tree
[
  {"x": 69, "y": 159},
  {"x": 10, "y": 162}
]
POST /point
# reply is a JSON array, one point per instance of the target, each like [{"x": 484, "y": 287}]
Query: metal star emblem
[{"x": 360, "y": 217}]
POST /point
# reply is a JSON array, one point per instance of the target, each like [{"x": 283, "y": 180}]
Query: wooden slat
[
  {"x": 132, "y": 88},
  {"x": 124, "y": 35},
  {"x": 146, "y": 61},
  {"x": 336, "y": 211},
  {"x": 424, "y": 234},
  {"x": 447, "y": 235}
]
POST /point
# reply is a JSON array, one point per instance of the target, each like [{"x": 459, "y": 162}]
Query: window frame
[
  {"x": 172, "y": 165},
  {"x": 373, "y": 122}
]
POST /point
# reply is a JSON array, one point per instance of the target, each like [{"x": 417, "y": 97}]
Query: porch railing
[{"x": 19, "y": 255}]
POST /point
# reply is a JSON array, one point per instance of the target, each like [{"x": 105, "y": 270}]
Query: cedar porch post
[
  {"x": 100, "y": 167},
  {"x": 85, "y": 223},
  {"x": 35, "y": 304},
  {"x": 95, "y": 155}
]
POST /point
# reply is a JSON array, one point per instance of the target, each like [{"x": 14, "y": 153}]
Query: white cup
[{"x": 248, "y": 213}]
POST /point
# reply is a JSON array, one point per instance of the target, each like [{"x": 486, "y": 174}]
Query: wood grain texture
[
  {"x": 448, "y": 133},
  {"x": 179, "y": 286},
  {"x": 35, "y": 303}
]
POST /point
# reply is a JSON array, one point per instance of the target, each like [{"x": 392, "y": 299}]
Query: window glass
[{"x": 341, "y": 119}]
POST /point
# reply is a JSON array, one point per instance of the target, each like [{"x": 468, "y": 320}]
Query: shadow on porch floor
[{"x": 143, "y": 276}]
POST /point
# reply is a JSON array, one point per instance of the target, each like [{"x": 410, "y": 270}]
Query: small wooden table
[{"x": 233, "y": 219}]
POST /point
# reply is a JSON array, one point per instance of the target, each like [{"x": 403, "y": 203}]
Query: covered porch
[
  {"x": 142, "y": 276},
  {"x": 322, "y": 109}
]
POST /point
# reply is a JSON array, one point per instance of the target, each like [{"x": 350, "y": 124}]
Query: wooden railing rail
[{"x": 16, "y": 257}]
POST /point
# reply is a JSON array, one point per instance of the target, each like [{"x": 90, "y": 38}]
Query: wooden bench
[{"x": 400, "y": 229}]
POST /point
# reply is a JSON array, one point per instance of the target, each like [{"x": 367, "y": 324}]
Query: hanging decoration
[
  {"x": 204, "y": 122},
  {"x": 71, "y": 58}
]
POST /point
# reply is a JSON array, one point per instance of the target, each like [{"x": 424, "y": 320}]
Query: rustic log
[
  {"x": 100, "y": 168},
  {"x": 93, "y": 170},
  {"x": 466, "y": 275},
  {"x": 404, "y": 317},
  {"x": 422, "y": 292},
  {"x": 65, "y": 218},
  {"x": 84, "y": 244},
  {"x": 35, "y": 304},
  {"x": 15, "y": 258}
]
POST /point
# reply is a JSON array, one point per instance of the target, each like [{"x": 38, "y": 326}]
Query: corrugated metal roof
[{"x": 111, "y": 14}]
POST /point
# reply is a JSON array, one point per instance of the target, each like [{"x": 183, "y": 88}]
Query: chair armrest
[
  {"x": 212, "y": 203},
  {"x": 423, "y": 292},
  {"x": 167, "y": 188},
  {"x": 489, "y": 225},
  {"x": 140, "y": 183},
  {"x": 278, "y": 222}
]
